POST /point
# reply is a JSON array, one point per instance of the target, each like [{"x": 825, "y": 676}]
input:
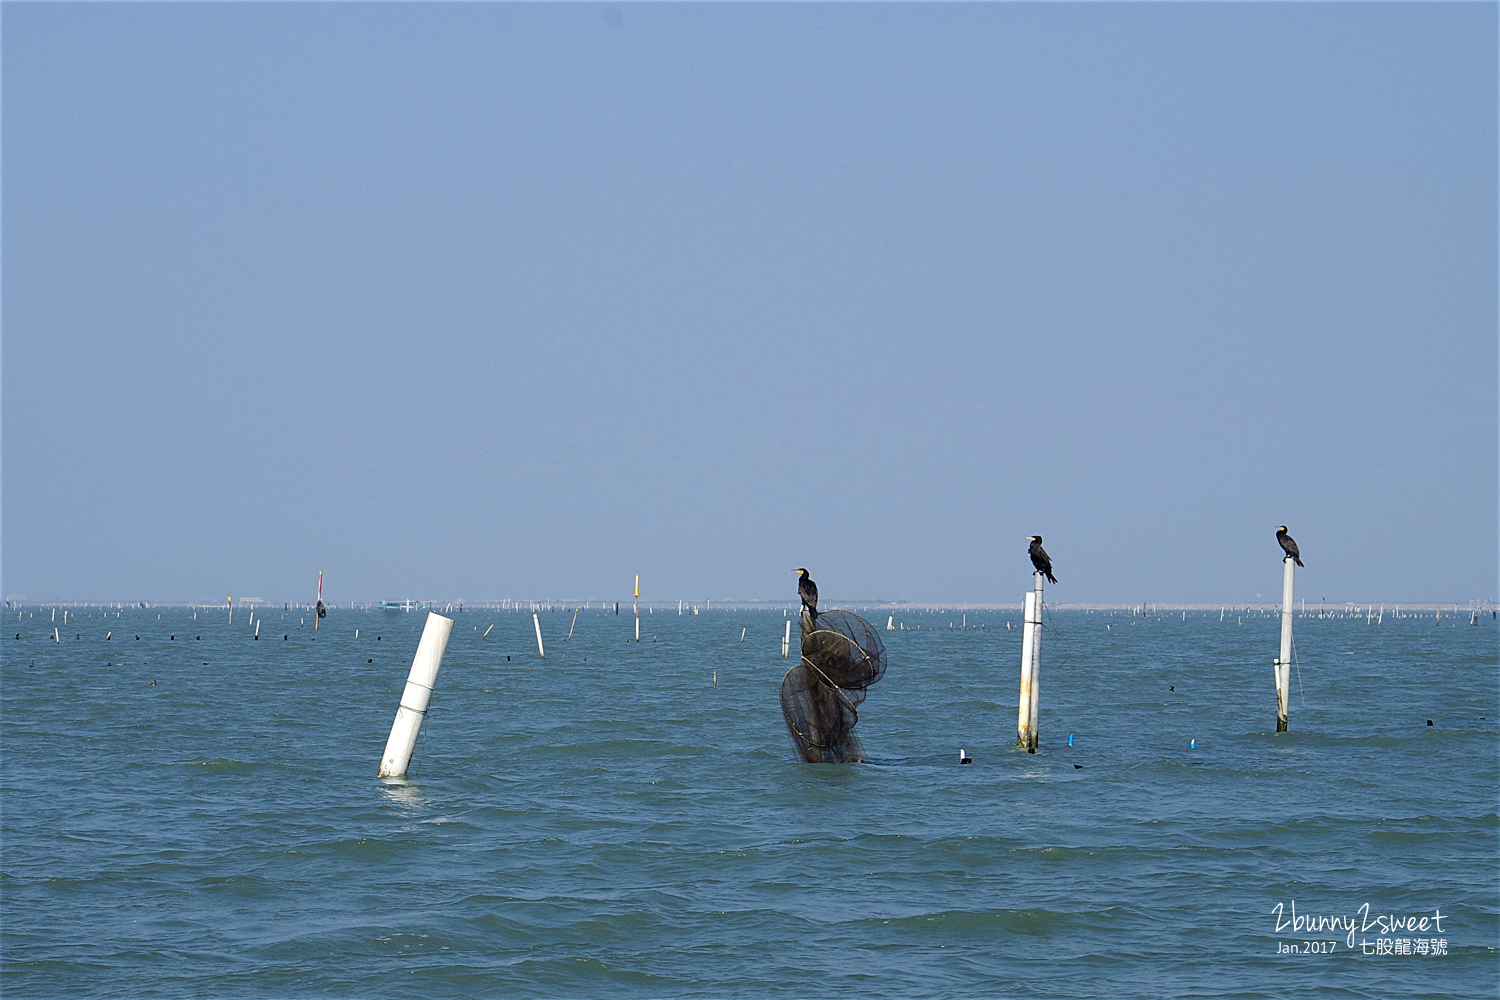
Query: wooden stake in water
[
  {"x": 539, "y": 648},
  {"x": 1284, "y": 661},
  {"x": 570, "y": 627},
  {"x": 317, "y": 618},
  {"x": 415, "y": 698}
]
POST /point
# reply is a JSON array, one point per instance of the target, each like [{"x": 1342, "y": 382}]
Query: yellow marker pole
[
  {"x": 636, "y": 606},
  {"x": 230, "y": 599}
]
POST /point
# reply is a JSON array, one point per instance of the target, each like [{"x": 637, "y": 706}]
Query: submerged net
[{"x": 842, "y": 655}]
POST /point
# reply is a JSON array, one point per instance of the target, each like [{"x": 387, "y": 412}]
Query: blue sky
[{"x": 492, "y": 300}]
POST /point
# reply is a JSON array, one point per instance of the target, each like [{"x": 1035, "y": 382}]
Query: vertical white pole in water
[
  {"x": 537, "y": 624},
  {"x": 786, "y": 640},
  {"x": 1024, "y": 719},
  {"x": 230, "y": 601},
  {"x": 636, "y": 607},
  {"x": 1284, "y": 661},
  {"x": 1036, "y": 666},
  {"x": 424, "y": 671},
  {"x": 1031, "y": 665}
]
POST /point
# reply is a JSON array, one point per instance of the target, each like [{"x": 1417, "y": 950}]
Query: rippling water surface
[{"x": 608, "y": 823}]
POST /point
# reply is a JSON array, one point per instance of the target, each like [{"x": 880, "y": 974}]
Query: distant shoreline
[{"x": 702, "y": 606}]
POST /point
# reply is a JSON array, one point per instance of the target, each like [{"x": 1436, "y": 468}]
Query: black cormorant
[
  {"x": 808, "y": 591},
  {"x": 1040, "y": 559},
  {"x": 1288, "y": 544}
]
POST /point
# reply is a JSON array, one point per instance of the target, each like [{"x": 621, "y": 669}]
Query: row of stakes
[{"x": 417, "y": 694}]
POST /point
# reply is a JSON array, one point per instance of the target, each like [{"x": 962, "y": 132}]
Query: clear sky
[{"x": 510, "y": 300}]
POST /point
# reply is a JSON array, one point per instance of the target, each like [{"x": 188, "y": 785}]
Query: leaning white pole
[
  {"x": 424, "y": 671},
  {"x": 1028, "y": 638},
  {"x": 786, "y": 640},
  {"x": 541, "y": 650},
  {"x": 1284, "y": 661}
]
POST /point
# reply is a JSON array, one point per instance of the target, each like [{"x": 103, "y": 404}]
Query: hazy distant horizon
[{"x": 744, "y": 604}]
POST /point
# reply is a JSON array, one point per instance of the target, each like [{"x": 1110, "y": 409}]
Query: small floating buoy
[
  {"x": 1070, "y": 739},
  {"x": 153, "y": 684},
  {"x": 1078, "y": 767},
  {"x": 1429, "y": 722},
  {"x": 1192, "y": 744},
  {"x": 1171, "y": 687},
  {"x": 963, "y": 757},
  {"x": 369, "y": 661}
]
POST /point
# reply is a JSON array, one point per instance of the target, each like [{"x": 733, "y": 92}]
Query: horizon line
[{"x": 748, "y": 604}]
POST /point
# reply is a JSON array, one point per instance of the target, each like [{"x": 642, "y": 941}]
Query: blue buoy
[
  {"x": 1193, "y": 745},
  {"x": 1070, "y": 739}
]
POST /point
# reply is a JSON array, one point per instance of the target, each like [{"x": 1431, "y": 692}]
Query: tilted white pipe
[{"x": 424, "y": 671}]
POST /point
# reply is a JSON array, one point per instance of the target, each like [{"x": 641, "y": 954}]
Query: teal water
[{"x": 607, "y": 823}]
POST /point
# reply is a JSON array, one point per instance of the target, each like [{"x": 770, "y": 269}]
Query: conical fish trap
[{"x": 842, "y": 655}]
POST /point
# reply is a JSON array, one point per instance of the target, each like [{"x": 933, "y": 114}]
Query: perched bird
[
  {"x": 1288, "y": 544},
  {"x": 808, "y": 591},
  {"x": 1040, "y": 559}
]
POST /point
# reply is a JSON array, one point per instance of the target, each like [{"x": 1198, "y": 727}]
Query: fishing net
[{"x": 842, "y": 655}]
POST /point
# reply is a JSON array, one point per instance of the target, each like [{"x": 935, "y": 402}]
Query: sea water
[{"x": 189, "y": 811}]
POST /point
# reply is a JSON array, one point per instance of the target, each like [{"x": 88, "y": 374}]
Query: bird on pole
[
  {"x": 1288, "y": 544},
  {"x": 1039, "y": 558},
  {"x": 808, "y": 591}
]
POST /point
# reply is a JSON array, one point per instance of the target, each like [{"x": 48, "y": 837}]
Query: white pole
[
  {"x": 424, "y": 671},
  {"x": 786, "y": 640},
  {"x": 1036, "y": 666},
  {"x": 539, "y": 647},
  {"x": 1284, "y": 661},
  {"x": 1028, "y": 638}
]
